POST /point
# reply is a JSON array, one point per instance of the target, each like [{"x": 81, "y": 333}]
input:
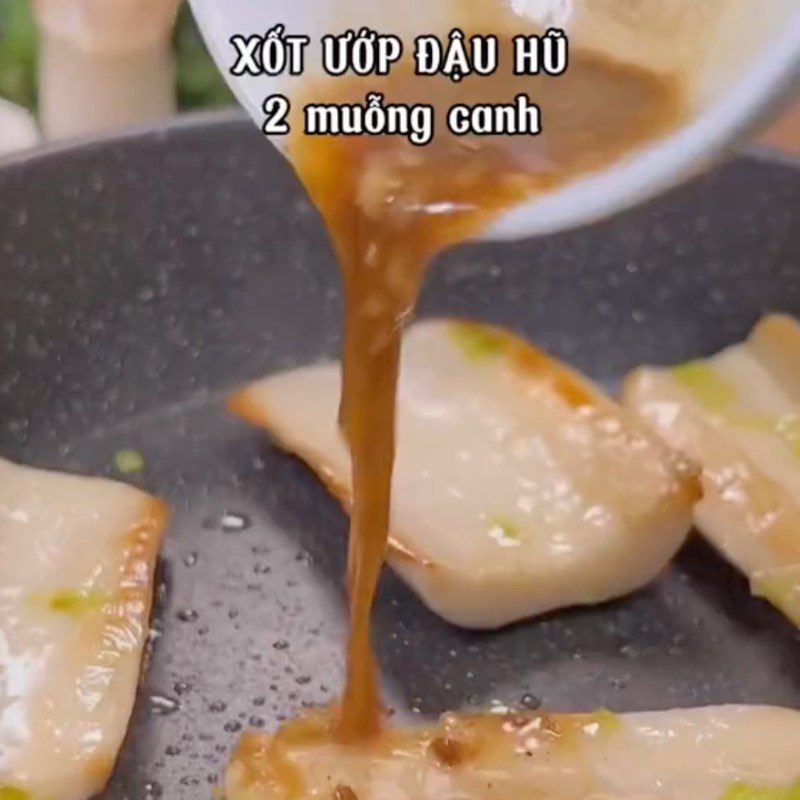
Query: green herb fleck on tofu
[
  {"x": 788, "y": 428},
  {"x": 75, "y": 604},
  {"x": 744, "y": 791},
  {"x": 504, "y": 531},
  {"x": 13, "y": 793},
  {"x": 608, "y": 721},
  {"x": 706, "y": 386},
  {"x": 476, "y": 342}
]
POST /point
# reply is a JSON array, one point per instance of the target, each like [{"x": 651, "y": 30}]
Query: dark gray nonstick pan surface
[{"x": 145, "y": 277}]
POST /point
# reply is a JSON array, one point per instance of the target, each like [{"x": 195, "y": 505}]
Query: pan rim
[
  {"x": 191, "y": 120},
  {"x": 184, "y": 121}
]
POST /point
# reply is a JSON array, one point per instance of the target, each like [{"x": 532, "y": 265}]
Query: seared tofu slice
[
  {"x": 518, "y": 487},
  {"x": 77, "y": 557},
  {"x": 738, "y": 415},
  {"x": 724, "y": 753}
]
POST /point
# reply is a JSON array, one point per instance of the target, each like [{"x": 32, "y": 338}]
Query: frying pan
[{"x": 147, "y": 275}]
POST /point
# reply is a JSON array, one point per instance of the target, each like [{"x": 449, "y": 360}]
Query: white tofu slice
[
  {"x": 518, "y": 487},
  {"x": 77, "y": 557},
  {"x": 737, "y": 414},
  {"x": 723, "y": 753}
]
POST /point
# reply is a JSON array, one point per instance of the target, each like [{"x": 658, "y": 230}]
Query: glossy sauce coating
[
  {"x": 391, "y": 207},
  {"x": 715, "y": 753}
]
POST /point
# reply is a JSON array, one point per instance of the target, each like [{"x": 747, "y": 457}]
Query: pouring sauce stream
[{"x": 391, "y": 207}]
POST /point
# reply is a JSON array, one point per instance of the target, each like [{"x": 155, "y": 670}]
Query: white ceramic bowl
[{"x": 742, "y": 55}]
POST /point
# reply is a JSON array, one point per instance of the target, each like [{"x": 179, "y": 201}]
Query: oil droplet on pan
[
  {"x": 162, "y": 705},
  {"x": 530, "y": 701},
  {"x": 153, "y": 790}
]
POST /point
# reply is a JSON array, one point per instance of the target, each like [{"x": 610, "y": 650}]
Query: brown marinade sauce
[{"x": 391, "y": 207}]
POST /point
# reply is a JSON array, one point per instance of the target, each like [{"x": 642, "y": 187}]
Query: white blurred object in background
[
  {"x": 104, "y": 64},
  {"x": 17, "y": 128}
]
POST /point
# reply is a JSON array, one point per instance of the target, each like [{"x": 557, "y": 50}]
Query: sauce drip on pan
[{"x": 391, "y": 207}]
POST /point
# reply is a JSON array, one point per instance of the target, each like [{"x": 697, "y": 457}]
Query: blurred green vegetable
[
  {"x": 17, "y": 53},
  {"x": 199, "y": 84}
]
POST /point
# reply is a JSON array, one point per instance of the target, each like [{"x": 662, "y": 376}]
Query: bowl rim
[{"x": 186, "y": 120}]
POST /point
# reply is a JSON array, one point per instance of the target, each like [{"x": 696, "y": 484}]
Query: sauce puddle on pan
[{"x": 390, "y": 208}]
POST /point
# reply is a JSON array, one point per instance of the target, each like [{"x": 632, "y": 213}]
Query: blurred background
[
  {"x": 198, "y": 83},
  {"x": 79, "y": 67}
]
